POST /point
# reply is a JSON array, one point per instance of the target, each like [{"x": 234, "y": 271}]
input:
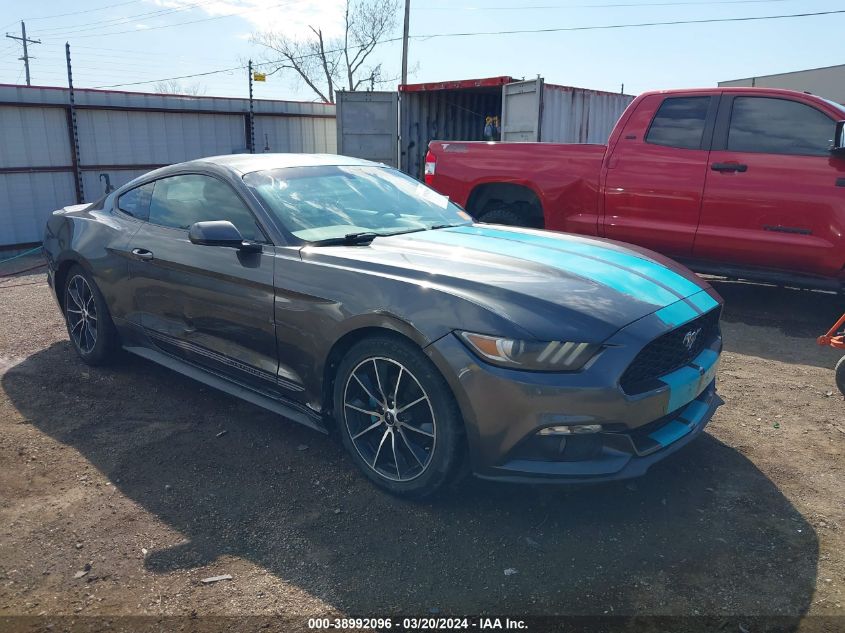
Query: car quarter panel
[{"x": 98, "y": 241}]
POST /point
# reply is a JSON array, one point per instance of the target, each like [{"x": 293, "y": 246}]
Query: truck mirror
[{"x": 839, "y": 138}]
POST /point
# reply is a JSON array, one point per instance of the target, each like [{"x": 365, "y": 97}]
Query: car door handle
[
  {"x": 142, "y": 254},
  {"x": 840, "y": 182},
  {"x": 729, "y": 167}
]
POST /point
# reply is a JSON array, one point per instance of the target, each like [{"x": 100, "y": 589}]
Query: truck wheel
[
  {"x": 840, "y": 375},
  {"x": 504, "y": 216}
]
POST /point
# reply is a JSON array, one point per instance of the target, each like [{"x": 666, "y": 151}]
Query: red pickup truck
[{"x": 741, "y": 182}]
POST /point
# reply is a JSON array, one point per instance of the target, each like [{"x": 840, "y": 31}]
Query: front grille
[{"x": 668, "y": 353}]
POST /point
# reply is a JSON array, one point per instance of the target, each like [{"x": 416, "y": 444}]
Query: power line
[
  {"x": 88, "y": 26},
  {"x": 510, "y": 32},
  {"x": 168, "y": 26},
  {"x": 630, "y": 26},
  {"x": 599, "y": 6},
  {"x": 61, "y": 15}
]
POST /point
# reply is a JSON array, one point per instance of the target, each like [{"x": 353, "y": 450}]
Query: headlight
[{"x": 530, "y": 355}]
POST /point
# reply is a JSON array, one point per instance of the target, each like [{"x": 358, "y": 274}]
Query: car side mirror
[
  {"x": 220, "y": 233},
  {"x": 839, "y": 138}
]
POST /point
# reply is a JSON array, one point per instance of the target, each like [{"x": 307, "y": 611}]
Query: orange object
[{"x": 831, "y": 338}]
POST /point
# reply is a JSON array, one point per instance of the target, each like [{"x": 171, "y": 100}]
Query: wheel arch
[
  {"x": 360, "y": 329},
  {"x": 63, "y": 266},
  {"x": 520, "y": 197}
]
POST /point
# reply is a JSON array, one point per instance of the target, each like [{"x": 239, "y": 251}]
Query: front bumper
[
  {"x": 505, "y": 409},
  {"x": 620, "y": 455}
]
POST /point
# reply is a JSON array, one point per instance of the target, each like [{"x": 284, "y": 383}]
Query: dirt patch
[{"x": 123, "y": 473}]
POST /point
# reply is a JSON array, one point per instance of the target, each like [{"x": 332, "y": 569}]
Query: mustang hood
[{"x": 553, "y": 286}]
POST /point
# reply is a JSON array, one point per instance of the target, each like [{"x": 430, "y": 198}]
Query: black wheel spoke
[
  {"x": 378, "y": 382},
  {"x": 409, "y": 447},
  {"x": 364, "y": 387},
  {"x": 416, "y": 430},
  {"x": 378, "y": 450},
  {"x": 373, "y": 426}
]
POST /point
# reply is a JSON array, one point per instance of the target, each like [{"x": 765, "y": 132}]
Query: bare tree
[
  {"x": 173, "y": 87},
  {"x": 327, "y": 65}
]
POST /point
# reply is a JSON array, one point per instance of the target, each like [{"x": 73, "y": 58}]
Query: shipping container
[{"x": 493, "y": 108}]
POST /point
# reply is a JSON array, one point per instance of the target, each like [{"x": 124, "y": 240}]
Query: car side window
[
  {"x": 136, "y": 202},
  {"x": 679, "y": 122},
  {"x": 779, "y": 126},
  {"x": 179, "y": 201}
]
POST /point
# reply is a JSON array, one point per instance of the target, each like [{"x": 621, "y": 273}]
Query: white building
[{"x": 828, "y": 82}]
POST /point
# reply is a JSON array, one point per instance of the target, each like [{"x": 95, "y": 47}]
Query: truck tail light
[{"x": 430, "y": 166}]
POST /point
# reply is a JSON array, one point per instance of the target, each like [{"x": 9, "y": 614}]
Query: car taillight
[{"x": 430, "y": 165}]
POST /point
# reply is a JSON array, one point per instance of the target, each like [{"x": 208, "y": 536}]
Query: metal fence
[{"x": 122, "y": 135}]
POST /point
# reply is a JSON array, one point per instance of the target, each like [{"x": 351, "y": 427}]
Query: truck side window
[
  {"x": 679, "y": 122},
  {"x": 779, "y": 126}
]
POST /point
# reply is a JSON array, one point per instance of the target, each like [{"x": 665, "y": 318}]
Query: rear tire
[
  {"x": 397, "y": 417},
  {"x": 505, "y": 216},
  {"x": 89, "y": 325},
  {"x": 840, "y": 375}
]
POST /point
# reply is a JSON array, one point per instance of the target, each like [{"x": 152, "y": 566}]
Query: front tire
[
  {"x": 89, "y": 324},
  {"x": 840, "y": 375},
  {"x": 397, "y": 417}
]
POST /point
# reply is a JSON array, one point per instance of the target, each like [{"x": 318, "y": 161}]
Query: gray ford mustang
[{"x": 343, "y": 294}]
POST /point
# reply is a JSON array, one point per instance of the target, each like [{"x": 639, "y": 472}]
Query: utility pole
[
  {"x": 405, "y": 42},
  {"x": 24, "y": 40},
  {"x": 251, "y": 138},
  {"x": 73, "y": 129}
]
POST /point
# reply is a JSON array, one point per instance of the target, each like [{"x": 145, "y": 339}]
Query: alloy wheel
[
  {"x": 389, "y": 418},
  {"x": 81, "y": 311}
]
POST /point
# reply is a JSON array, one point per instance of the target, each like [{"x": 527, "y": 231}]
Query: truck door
[
  {"x": 771, "y": 198},
  {"x": 522, "y": 104},
  {"x": 368, "y": 126},
  {"x": 655, "y": 173}
]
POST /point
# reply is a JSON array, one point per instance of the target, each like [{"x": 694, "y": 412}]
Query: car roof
[{"x": 246, "y": 163}]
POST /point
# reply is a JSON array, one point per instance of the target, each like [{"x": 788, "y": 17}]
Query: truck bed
[{"x": 564, "y": 177}]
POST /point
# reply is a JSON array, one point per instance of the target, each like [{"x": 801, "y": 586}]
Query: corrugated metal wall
[
  {"x": 448, "y": 115},
  {"x": 575, "y": 115},
  {"x": 569, "y": 115},
  {"x": 123, "y": 135}
]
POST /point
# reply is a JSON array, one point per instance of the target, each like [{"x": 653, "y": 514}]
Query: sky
[{"x": 120, "y": 42}]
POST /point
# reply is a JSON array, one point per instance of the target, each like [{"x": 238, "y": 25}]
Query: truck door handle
[
  {"x": 725, "y": 167},
  {"x": 840, "y": 182},
  {"x": 142, "y": 254}
]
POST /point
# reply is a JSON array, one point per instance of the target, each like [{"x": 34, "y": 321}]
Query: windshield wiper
[
  {"x": 350, "y": 239},
  {"x": 434, "y": 227},
  {"x": 363, "y": 238}
]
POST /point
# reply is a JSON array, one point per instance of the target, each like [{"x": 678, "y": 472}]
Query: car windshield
[{"x": 328, "y": 202}]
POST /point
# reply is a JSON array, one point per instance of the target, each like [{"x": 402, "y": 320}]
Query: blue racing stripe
[
  {"x": 694, "y": 411},
  {"x": 676, "y": 314},
  {"x": 621, "y": 280},
  {"x": 684, "y": 386},
  {"x": 703, "y": 301},
  {"x": 706, "y": 359},
  {"x": 687, "y": 383},
  {"x": 653, "y": 270},
  {"x": 671, "y": 432}
]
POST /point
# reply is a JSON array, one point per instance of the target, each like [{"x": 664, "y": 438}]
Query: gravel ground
[{"x": 121, "y": 488}]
